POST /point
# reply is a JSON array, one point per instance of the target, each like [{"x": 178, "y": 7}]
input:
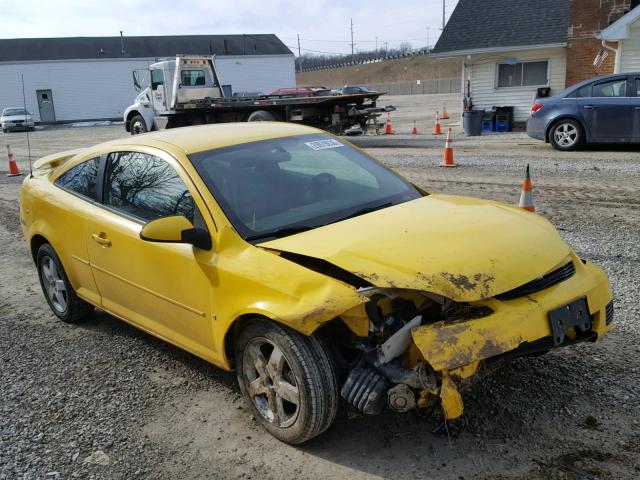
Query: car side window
[
  {"x": 81, "y": 179},
  {"x": 612, "y": 88},
  {"x": 146, "y": 187}
]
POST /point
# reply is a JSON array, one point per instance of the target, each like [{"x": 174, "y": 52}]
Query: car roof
[
  {"x": 209, "y": 137},
  {"x": 575, "y": 86}
]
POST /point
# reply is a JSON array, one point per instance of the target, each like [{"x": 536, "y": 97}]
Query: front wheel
[
  {"x": 57, "y": 289},
  {"x": 566, "y": 135},
  {"x": 288, "y": 380},
  {"x": 138, "y": 125}
]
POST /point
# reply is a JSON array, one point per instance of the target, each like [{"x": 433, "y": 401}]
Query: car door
[
  {"x": 608, "y": 112},
  {"x": 635, "y": 90},
  {"x": 161, "y": 287}
]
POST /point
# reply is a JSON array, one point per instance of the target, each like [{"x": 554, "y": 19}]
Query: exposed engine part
[
  {"x": 397, "y": 343},
  {"x": 421, "y": 376},
  {"x": 401, "y": 398},
  {"x": 365, "y": 389}
]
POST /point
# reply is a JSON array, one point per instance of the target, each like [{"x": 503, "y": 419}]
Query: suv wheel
[{"x": 566, "y": 135}]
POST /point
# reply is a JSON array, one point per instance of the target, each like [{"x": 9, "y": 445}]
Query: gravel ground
[{"x": 103, "y": 400}]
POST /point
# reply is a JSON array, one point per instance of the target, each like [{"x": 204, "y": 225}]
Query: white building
[
  {"x": 508, "y": 50},
  {"x": 625, "y": 31},
  {"x": 90, "y": 78}
]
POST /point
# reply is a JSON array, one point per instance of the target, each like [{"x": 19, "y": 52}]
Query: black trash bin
[{"x": 472, "y": 122}]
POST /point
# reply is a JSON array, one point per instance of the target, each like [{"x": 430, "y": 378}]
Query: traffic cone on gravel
[
  {"x": 447, "y": 159},
  {"x": 388, "y": 129},
  {"x": 526, "y": 197},
  {"x": 13, "y": 166},
  {"x": 414, "y": 130},
  {"x": 437, "y": 130},
  {"x": 445, "y": 114}
]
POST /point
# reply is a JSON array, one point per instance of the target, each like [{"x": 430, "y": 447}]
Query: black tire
[
  {"x": 566, "y": 135},
  {"x": 261, "y": 116},
  {"x": 74, "y": 308},
  {"x": 137, "y": 125},
  {"x": 307, "y": 367}
]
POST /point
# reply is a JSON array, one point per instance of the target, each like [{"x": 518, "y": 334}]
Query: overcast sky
[{"x": 323, "y": 25}]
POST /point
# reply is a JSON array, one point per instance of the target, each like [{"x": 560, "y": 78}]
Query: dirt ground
[{"x": 103, "y": 400}]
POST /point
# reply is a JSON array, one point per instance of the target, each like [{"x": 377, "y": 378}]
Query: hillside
[{"x": 387, "y": 71}]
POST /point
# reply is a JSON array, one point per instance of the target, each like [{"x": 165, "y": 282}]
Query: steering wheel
[{"x": 322, "y": 179}]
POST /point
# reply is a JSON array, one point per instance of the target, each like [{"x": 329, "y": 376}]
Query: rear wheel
[
  {"x": 261, "y": 116},
  {"x": 288, "y": 380},
  {"x": 566, "y": 135},
  {"x": 61, "y": 297},
  {"x": 138, "y": 125}
]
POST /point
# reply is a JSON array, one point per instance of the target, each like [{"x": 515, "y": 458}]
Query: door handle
[
  {"x": 589, "y": 107},
  {"x": 101, "y": 240}
]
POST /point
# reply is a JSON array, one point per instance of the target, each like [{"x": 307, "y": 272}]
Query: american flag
[{"x": 601, "y": 57}]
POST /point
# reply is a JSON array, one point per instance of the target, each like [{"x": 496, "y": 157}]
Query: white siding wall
[
  {"x": 484, "y": 91},
  {"x": 103, "y": 89},
  {"x": 630, "y": 53}
]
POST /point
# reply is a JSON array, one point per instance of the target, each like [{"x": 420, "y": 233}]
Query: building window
[{"x": 523, "y": 74}]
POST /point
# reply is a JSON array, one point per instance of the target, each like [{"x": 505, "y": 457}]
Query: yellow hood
[{"x": 463, "y": 248}]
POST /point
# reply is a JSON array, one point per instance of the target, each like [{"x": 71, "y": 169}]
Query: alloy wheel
[
  {"x": 54, "y": 284},
  {"x": 566, "y": 135},
  {"x": 270, "y": 382},
  {"x": 138, "y": 127}
]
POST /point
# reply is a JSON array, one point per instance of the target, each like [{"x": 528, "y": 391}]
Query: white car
[{"x": 16, "y": 119}]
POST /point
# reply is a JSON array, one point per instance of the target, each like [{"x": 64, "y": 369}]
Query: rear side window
[
  {"x": 613, "y": 88},
  {"x": 81, "y": 179},
  {"x": 145, "y": 187},
  {"x": 193, "y": 78}
]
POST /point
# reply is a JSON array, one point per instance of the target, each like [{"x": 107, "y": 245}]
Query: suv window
[
  {"x": 81, "y": 179},
  {"x": 145, "y": 187},
  {"x": 612, "y": 88}
]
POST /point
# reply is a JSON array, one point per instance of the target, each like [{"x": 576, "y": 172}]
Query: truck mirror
[{"x": 136, "y": 81}]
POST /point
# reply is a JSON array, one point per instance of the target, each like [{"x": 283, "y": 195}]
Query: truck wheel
[
  {"x": 138, "y": 125},
  {"x": 261, "y": 116},
  {"x": 61, "y": 297},
  {"x": 288, "y": 380}
]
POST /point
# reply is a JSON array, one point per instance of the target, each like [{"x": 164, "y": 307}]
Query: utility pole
[
  {"x": 444, "y": 6},
  {"x": 299, "y": 55},
  {"x": 352, "y": 44},
  {"x": 427, "y": 39},
  {"x": 385, "y": 46},
  {"x": 376, "y": 44}
]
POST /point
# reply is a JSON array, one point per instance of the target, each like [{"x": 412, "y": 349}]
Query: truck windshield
[{"x": 273, "y": 188}]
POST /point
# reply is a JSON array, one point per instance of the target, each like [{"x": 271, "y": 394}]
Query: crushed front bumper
[{"x": 516, "y": 327}]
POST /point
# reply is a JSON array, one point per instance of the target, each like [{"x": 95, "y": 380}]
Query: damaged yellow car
[{"x": 301, "y": 262}]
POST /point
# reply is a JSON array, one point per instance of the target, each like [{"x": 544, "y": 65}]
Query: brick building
[
  {"x": 587, "y": 18},
  {"x": 512, "y": 50}
]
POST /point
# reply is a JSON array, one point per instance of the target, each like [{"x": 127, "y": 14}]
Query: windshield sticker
[{"x": 324, "y": 144}]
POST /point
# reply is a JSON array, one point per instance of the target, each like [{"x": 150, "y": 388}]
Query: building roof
[
  {"x": 80, "y": 48},
  {"x": 620, "y": 29},
  {"x": 493, "y": 25}
]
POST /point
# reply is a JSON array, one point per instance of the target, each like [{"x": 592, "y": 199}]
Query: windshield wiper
[
  {"x": 366, "y": 210},
  {"x": 282, "y": 232}
]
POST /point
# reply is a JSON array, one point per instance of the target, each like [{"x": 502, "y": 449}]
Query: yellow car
[{"x": 304, "y": 264}]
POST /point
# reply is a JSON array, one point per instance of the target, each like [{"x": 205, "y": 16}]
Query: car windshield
[
  {"x": 13, "y": 111},
  {"x": 274, "y": 188}
]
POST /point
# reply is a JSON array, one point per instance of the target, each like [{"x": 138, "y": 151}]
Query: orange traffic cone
[
  {"x": 437, "y": 130},
  {"x": 414, "y": 130},
  {"x": 445, "y": 114},
  {"x": 388, "y": 129},
  {"x": 526, "y": 197},
  {"x": 447, "y": 159},
  {"x": 13, "y": 166}
]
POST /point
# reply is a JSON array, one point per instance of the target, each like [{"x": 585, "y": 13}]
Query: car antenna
[{"x": 24, "y": 103}]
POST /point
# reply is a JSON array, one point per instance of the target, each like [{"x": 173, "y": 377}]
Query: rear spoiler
[{"x": 56, "y": 159}]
